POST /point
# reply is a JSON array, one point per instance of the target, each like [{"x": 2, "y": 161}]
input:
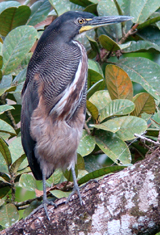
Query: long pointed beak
[{"x": 102, "y": 21}]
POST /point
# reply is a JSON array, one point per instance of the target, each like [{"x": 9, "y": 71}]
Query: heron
[{"x": 54, "y": 96}]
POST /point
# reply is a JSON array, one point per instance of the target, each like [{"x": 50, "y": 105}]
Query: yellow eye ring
[{"x": 81, "y": 21}]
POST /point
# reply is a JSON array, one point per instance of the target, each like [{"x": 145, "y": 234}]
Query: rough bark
[{"x": 125, "y": 203}]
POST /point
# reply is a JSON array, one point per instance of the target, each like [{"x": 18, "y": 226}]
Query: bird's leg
[
  {"x": 45, "y": 200},
  {"x": 75, "y": 188}
]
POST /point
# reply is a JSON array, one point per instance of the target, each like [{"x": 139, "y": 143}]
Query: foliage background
[{"x": 123, "y": 94}]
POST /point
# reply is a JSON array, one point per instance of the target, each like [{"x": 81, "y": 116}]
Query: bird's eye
[{"x": 81, "y": 21}]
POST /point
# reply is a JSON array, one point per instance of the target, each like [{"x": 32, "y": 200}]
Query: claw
[{"x": 45, "y": 203}]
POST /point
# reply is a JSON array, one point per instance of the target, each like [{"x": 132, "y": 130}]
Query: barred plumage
[{"x": 54, "y": 96}]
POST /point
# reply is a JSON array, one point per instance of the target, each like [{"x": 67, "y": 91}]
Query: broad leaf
[
  {"x": 100, "y": 99},
  {"x": 16, "y": 113},
  {"x": 5, "y": 107},
  {"x": 60, "y": 6},
  {"x": 124, "y": 127},
  {"x": 108, "y": 44},
  {"x": 8, "y": 4},
  {"x": 17, "y": 163},
  {"x": 100, "y": 85},
  {"x": 93, "y": 65},
  {"x": 39, "y": 12},
  {"x": 3, "y": 165},
  {"x": 118, "y": 83},
  {"x": 86, "y": 145},
  {"x": 99, "y": 173},
  {"x": 92, "y": 109},
  {"x": 141, "y": 10},
  {"x": 8, "y": 215},
  {"x": 5, "y": 127},
  {"x": 83, "y": 3},
  {"x": 141, "y": 46},
  {"x": 94, "y": 44},
  {"x": 16, "y": 149},
  {"x": 59, "y": 193},
  {"x": 12, "y": 18},
  {"x": 6, "y": 84},
  {"x": 16, "y": 45},
  {"x": 116, "y": 108},
  {"x": 28, "y": 182},
  {"x": 115, "y": 148},
  {"x": 144, "y": 102},
  {"x": 151, "y": 34},
  {"x": 109, "y": 8},
  {"x": 144, "y": 72},
  {"x": 5, "y": 152}
]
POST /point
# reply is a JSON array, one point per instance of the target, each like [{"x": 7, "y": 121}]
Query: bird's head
[{"x": 73, "y": 23}]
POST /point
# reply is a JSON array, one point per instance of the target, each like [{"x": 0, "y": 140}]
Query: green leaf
[
  {"x": 118, "y": 83},
  {"x": 17, "y": 163},
  {"x": 93, "y": 77},
  {"x": 92, "y": 109},
  {"x": 144, "y": 72},
  {"x": 83, "y": 3},
  {"x": 12, "y": 18},
  {"x": 144, "y": 103},
  {"x": 107, "y": 126},
  {"x": 5, "y": 152},
  {"x": 20, "y": 77},
  {"x": 141, "y": 46},
  {"x": 124, "y": 127},
  {"x": 128, "y": 126},
  {"x": 115, "y": 148},
  {"x": 28, "y": 182},
  {"x": 16, "y": 113},
  {"x": 93, "y": 65},
  {"x": 154, "y": 18},
  {"x": 5, "y": 107},
  {"x": 60, "y": 6},
  {"x": 100, "y": 99},
  {"x": 99, "y": 173},
  {"x": 4, "y": 191},
  {"x": 16, "y": 45},
  {"x": 141, "y": 10},
  {"x": 8, "y": 215},
  {"x": 59, "y": 193},
  {"x": 116, "y": 108},
  {"x": 16, "y": 149},
  {"x": 109, "y": 8},
  {"x": 80, "y": 162},
  {"x": 5, "y": 5},
  {"x": 6, "y": 84},
  {"x": 5, "y": 127},
  {"x": 108, "y": 44},
  {"x": 156, "y": 119},
  {"x": 57, "y": 175},
  {"x": 39, "y": 12},
  {"x": 86, "y": 144},
  {"x": 94, "y": 44},
  {"x": 3, "y": 165},
  {"x": 100, "y": 85},
  {"x": 151, "y": 34}
]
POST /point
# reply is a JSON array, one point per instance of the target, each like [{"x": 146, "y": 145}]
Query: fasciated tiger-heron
[{"x": 54, "y": 96}]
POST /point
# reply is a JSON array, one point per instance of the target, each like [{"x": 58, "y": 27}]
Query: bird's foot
[
  {"x": 75, "y": 189},
  {"x": 45, "y": 203}
]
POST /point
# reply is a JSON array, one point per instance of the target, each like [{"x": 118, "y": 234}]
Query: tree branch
[{"x": 124, "y": 203}]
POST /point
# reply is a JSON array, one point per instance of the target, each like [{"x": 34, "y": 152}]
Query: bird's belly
[{"x": 56, "y": 142}]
